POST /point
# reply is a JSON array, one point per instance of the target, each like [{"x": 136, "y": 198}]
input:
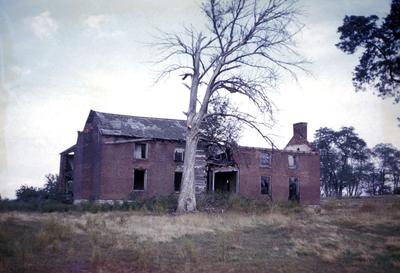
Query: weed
[
  {"x": 52, "y": 233},
  {"x": 367, "y": 207}
]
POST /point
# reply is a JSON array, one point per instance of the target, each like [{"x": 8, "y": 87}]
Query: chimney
[{"x": 300, "y": 129}]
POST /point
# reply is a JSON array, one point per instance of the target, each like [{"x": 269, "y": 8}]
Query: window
[
  {"x": 266, "y": 185},
  {"x": 177, "y": 181},
  {"x": 139, "y": 178},
  {"x": 179, "y": 155},
  {"x": 292, "y": 161},
  {"x": 140, "y": 150},
  {"x": 265, "y": 160}
]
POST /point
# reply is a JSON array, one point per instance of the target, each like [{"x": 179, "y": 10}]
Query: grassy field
[{"x": 349, "y": 235}]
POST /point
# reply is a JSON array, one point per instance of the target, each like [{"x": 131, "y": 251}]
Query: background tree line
[
  {"x": 50, "y": 191},
  {"x": 350, "y": 168}
]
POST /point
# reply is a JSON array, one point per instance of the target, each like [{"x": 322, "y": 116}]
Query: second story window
[
  {"x": 292, "y": 161},
  {"x": 140, "y": 150},
  {"x": 179, "y": 155},
  {"x": 265, "y": 160}
]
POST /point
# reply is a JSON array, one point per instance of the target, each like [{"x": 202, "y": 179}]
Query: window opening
[
  {"x": 140, "y": 150},
  {"x": 292, "y": 161},
  {"x": 265, "y": 160},
  {"x": 266, "y": 185},
  {"x": 177, "y": 181},
  {"x": 139, "y": 178}
]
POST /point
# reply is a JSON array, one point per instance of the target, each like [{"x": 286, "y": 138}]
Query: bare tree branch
[{"x": 245, "y": 45}]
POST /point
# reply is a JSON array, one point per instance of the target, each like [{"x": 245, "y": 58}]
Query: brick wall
[
  {"x": 118, "y": 164},
  {"x": 250, "y": 172},
  {"x": 105, "y": 171}
]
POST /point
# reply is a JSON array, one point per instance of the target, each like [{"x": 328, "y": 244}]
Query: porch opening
[{"x": 225, "y": 181}]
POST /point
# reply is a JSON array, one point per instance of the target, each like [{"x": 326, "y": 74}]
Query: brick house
[{"x": 118, "y": 155}]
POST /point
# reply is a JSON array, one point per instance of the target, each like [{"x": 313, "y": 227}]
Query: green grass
[{"x": 351, "y": 235}]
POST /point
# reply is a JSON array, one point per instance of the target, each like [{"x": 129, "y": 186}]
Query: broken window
[
  {"x": 292, "y": 161},
  {"x": 266, "y": 185},
  {"x": 177, "y": 181},
  {"x": 179, "y": 155},
  {"x": 265, "y": 160},
  {"x": 140, "y": 150},
  {"x": 139, "y": 179}
]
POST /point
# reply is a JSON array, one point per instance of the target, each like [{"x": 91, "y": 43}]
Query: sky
[{"x": 60, "y": 59}]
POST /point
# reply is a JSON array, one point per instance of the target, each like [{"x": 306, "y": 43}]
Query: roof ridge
[{"x": 96, "y": 112}]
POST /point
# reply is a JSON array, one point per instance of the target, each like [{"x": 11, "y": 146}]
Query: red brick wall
[
  {"x": 118, "y": 164},
  {"x": 105, "y": 171},
  {"x": 250, "y": 172},
  {"x": 85, "y": 161}
]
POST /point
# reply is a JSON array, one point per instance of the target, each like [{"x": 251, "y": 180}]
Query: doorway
[
  {"x": 294, "y": 189},
  {"x": 225, "y": 181}
]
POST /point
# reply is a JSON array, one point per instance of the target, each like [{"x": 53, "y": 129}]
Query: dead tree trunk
[{"x": 187, "y": 198}]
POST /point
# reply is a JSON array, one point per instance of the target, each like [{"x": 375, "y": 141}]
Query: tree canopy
[{"x": 379, "y": 64}]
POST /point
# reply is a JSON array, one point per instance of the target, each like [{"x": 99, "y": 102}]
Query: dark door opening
[
  {"x": 294, "y": 190},
  {"x": 225, "y": 181}
]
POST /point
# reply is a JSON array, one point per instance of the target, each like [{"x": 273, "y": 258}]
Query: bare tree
[{"x": 244, "y": 46}]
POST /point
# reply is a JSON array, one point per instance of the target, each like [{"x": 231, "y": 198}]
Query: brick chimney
[{"x": 300, "y": 129}]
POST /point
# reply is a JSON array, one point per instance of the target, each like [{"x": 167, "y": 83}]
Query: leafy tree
[
  {"x": 239, "y": 54},
  {"x": 329, "y": 162},
  {"x": 51, "y": 188},
  {"x": 343, "y": 155},
  {"x": 29, "y": 194},
  {"x": 370, "y": 179},
  {"x": 380, "y": 61},
  {"x": 388, "y": 166},
  {"x": 50, "y": 191}
]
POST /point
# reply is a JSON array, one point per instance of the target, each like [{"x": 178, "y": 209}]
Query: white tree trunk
[{"x": 187, "y": 198}]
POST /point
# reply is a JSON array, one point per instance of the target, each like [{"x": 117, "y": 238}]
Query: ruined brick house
[{"x": 118, "y": 156}]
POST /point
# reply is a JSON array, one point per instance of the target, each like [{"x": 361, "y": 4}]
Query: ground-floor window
[
  {"x": 139, "y": 179},
  {"x": 266, "y": 185},
  {"x": 177, "y": 181}
]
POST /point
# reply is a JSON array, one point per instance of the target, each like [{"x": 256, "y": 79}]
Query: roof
[{"x": 140, "y": 127}]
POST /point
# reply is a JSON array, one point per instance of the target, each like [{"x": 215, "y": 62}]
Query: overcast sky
[{"x": 61, "y": 58}]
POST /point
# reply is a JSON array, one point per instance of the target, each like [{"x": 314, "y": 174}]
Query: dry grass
[
  {"x": 154, "y": 228},
  {"x": 352, "y": 235}
]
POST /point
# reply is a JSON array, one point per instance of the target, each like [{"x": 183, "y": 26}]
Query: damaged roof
[
  {"x": 140, "y": 127},
  {"x": 297, "y": 140}
]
